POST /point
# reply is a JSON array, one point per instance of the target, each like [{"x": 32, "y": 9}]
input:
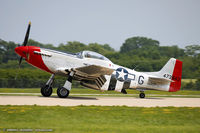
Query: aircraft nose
[
  {"x": 21, "y": 51},
  {"x": 17, "y": 50}
]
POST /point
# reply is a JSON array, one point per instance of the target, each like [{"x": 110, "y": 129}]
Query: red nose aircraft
[{"x": 95, "y": 71}]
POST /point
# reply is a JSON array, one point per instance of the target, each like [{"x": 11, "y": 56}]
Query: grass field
[
  {"x": 90, "y": 91},
  {"x": 97, "y": 119}
]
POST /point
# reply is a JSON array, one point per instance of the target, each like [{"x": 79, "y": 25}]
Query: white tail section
[
  {"x": 168, "y": 68},
  {"x": 170, "y": 75}
]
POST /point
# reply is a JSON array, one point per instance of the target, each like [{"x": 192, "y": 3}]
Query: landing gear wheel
[
  {"x": 46, "y": 91},
  {"x": 62, "y": 92},
  {"x": 142, "y": 95}
]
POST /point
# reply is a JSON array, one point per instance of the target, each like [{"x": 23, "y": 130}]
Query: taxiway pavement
[{"x": 100, "y": 101}]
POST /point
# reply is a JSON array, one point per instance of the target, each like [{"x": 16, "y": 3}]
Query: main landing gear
[
  {"x": 62, "y": 92},
  {"x": 47, "y": 90}
]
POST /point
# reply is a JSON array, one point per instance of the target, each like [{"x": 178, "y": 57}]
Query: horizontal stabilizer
[{"x": 158, "y": 81}]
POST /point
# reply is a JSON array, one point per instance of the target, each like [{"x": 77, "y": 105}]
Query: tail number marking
[
  {"x": 171, "y": 77},
  {"x": 167, "y": 76}
]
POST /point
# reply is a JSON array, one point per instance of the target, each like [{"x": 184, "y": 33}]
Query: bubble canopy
[{"x": 91, "y": 54}]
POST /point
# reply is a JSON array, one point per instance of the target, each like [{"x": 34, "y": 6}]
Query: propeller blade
[
  {"x": 27, "y": 35},
  {"x": 20, "y": 61},
  {"x": 24, "y": 44}
]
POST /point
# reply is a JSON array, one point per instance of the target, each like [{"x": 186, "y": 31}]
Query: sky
[{"x": 171, "y": 22}]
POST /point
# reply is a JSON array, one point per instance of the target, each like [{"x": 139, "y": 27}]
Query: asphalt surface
[{"x": 99, "y": 101}]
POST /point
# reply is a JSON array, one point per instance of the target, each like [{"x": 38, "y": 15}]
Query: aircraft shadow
[
  {"x": 82, "y": 98},
  {"x": 94, "y": 98},
  {"x": 156, "y": 98},
  {"x": 75, "y": 98}
]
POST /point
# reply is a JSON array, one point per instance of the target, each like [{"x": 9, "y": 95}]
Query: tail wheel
[
  {"x": 62, "y": 92},
  {"x": 142, "y": 95},
  {"x": 46, "y": 91}
]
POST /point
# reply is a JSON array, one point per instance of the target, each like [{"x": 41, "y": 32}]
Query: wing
[
  {"x": 91, "y": 72},
  {"x": 90, "y": 76}
]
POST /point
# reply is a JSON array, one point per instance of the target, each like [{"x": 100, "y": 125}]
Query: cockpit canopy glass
[{"x": 91, "y": 54}]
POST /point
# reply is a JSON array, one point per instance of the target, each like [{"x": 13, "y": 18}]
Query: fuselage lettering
[{"x": 141, "y": 80}]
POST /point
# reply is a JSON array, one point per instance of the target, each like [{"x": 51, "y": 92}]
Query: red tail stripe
[{"x": 176, "y": 77}]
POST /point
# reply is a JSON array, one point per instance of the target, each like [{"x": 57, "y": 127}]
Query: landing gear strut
[
  {"x": 47, "y": 90},
  {"x": 64, "y": 91}
]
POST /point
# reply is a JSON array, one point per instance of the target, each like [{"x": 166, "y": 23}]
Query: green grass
[
  {"x": 100, "y": 119},
  {"x": 18, "y": 90},
  {"x": 182, "y": 93},
  {"x": 90, "y": 91}
]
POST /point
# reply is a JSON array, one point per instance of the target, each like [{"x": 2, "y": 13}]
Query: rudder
[{"x": 176, "y": 77}]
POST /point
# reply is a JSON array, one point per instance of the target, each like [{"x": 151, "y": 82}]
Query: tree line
[{"x": 139, "y": 53}]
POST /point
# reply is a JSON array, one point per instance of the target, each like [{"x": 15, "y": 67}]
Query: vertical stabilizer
[{"x": 173, "y": 71}]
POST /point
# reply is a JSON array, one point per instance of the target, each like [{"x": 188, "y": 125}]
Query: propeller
[
  {"x": 25, "y": 41},
  {"x": 24, "y": 44},
  {"x": 20, "y": 61}
]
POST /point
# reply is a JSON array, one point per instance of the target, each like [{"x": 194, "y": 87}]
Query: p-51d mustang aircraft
[{"x": 95, "y": 71}]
